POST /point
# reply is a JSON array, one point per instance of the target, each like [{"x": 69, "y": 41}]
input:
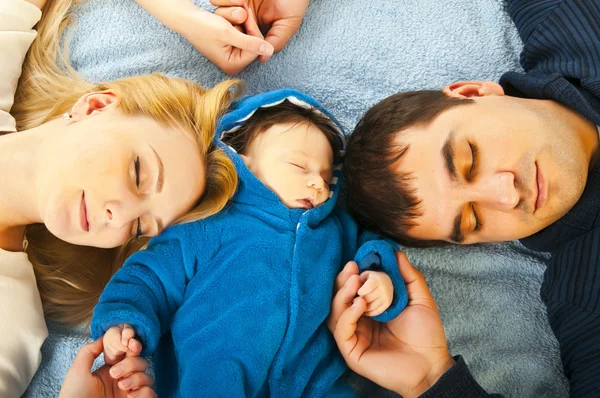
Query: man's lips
[
  {"x": 83, "y": 218},
  {"x": 541, "y": 188}
]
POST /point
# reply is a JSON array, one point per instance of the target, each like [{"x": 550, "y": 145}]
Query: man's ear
[
  {"x": 91, "y": 102},
  {"x": 473, "y": 89}
]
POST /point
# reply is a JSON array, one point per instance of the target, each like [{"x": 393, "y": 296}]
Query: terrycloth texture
[
  {"x": 349, "y": 56},
  {"x": 245, "y": 293}
]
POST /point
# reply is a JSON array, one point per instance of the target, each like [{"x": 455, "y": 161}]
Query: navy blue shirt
[{"x": 561, "y": 58}]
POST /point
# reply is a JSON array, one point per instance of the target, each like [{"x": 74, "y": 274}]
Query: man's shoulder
[
  {"x": 572, "y": 276},
  {"x": 528, "y": 15}
]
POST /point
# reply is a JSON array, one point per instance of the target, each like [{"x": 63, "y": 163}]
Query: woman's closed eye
[
  {"x": 137, "y": 171},
  {"x": 139, "y": 232}
]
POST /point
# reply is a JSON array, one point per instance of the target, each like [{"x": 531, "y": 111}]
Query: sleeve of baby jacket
[
  {"x": 373, "y": 252},
  {"x": 148, "y": 289}
]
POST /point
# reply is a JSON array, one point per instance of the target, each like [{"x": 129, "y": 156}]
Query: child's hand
[
  {"x": 118, "y": 342},
  {"x": 377, "y": 290},
  {"x": 126, "y": 379}
]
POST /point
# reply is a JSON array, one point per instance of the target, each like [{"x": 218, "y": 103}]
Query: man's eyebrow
[
  {"x": 161, "y": 173},
  {"x": 456, "y": 235},
  {"x": 448, "y": 154}
]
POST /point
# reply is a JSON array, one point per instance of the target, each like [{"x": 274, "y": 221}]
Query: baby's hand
[
  {"x": 377, "y": 290},
  {"x": 118, "y": 342}
]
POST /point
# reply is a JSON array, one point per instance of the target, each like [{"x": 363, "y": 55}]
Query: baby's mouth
[{"x": 306, "y": 203}]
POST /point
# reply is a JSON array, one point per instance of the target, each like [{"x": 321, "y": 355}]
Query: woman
[{"x": 95, "y": 166}]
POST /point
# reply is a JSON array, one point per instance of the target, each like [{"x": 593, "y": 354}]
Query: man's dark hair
[
  {"x": 286, "y": 112},
  {"x": 379, "y": 196}
]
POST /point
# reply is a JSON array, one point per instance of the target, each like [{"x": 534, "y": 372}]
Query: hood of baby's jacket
[{"x": 242, "y": 110}]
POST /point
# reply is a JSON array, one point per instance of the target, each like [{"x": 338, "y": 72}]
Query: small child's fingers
[
  {"x": 113, "y": 350},
  {"x": 134, "y": 348},
  {"x": 374, "y": 304},
  {"x": 127, "y": 334},
  {"x": 371, "y": 297},
  {"x": 144, "y": 392},
  {"x": 135, "y": 381},
  {"x": 377, "y": 311},
  {"x": 128, "y": 366},
  {"x": 368, "y": 287}
]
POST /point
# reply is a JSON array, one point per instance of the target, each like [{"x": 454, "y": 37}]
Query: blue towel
[{"x": 349, "y": 55}]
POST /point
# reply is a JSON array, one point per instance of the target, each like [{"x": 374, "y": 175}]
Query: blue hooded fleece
[{"x": 234, "y": 305}]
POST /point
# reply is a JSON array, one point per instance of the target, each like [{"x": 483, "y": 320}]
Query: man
[{"x": 482, "y": 162}]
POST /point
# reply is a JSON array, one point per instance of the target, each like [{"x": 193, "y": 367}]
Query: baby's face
[{"x": 295, "y": 161}]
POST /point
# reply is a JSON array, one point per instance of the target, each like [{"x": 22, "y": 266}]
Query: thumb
[
  {"x": 87, "y": 355},
  {"x": 345, "y": 330},
  {"x": 280, "y": 34},
  {"x": 249, "y": 43},
  {"x": 416, "y": 286}
]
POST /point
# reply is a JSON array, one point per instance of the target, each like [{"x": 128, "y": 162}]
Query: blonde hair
[{"x": 70, "y": 278}]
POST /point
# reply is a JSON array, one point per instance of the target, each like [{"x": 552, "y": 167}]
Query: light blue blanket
[{"x": 350, "y": 54}]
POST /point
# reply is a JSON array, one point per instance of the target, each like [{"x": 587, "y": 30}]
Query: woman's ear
[
  {"x": 92, "y": 102},
  {"x": 473, "y": 89}
]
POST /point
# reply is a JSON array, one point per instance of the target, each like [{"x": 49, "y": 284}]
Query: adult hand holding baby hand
[
  {"x": 407, "y": 354},
  {"x": 126, "y": 379},
  {"x": 377, "y": 290}
]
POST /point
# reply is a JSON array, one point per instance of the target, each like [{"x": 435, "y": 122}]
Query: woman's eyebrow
[{"x": 161, "y": 172}]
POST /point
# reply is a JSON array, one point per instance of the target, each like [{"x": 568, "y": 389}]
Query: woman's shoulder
[{"x": 11, "y": 239}]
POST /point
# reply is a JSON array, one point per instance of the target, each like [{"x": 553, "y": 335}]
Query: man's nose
[{"x": 498, "y": 191}]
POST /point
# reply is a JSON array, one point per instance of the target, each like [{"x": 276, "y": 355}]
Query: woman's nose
[{"x": 116, "y": 215}]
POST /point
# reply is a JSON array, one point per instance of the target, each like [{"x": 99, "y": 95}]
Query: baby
[{"x": 235, "y": 305}]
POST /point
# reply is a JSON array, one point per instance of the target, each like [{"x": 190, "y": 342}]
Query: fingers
[
  {"x": 416, "y": 286},
  {"x": 280, "y": 33},
  {"x": 345, "y": 330},
  {"x": 227, "y": 3},
  {"x": 128, "y": 366},
  {"x": 235, "y": 15},
  {"x": 134, "y": 348},
  {"x": 87, "y": 354},
  {"x": 350, "y": 269},
  {"x": 342, "y": 300},
  {"x": 375, "y": 309},
  {"x": 144, "y": 392},
  {"x": 135, "y": 381},
  {"x": 371, "y": 283},
  {"x": 126, "y": 334},
  {"x": 249, "y": 43},
  {"x": 116, "y": 343}
]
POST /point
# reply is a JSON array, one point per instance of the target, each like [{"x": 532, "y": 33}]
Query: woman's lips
[
  {"x": 83, "y": 218},
  {"x": 542, "y": 191}
]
